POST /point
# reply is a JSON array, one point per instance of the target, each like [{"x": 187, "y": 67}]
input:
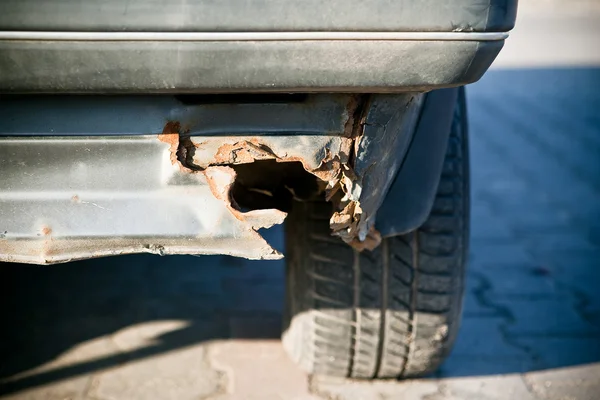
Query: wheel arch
[{"x": 410, "y": 198}]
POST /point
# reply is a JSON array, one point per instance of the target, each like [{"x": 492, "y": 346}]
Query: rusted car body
[
  {"x": 191, "y": 126},
  {"x": 183, "y": 186}
]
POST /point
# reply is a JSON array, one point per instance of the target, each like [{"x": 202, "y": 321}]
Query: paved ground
[{"x": 146, "y": 327}]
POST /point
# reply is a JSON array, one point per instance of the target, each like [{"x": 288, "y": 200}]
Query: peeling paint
[
  {"x": 242, "y": 152},
  {"x": 354, "y": 109},
  {"x": 345, "y": 221}
]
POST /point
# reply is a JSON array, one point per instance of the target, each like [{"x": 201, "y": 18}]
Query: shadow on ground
[{"x": 532, "y": 300}]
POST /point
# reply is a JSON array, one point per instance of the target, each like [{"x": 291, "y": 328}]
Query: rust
[
  {"x": 243, "y": 152},
  {"x": 45, "y": 230},
  {"x": 344, "y": 223},
  {"x": 372, "y": 240},
  {"x": 330, "y": 167},
  {"x": 252, "y": 150},
  {"x": 220, "y": 180},
  {"x": 181, "y": 146},
  {"x": 185, "y": 153},
  {"x": 335, "y": 173},
  {"x": 170, "y": 135},
  {"x": 353, "y": 110},
  {"x": 343, "y": 219},
  {"x": 75, "y": 199}
]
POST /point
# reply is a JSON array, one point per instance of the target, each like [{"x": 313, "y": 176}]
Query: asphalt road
[{"x": 149, "y": 327}]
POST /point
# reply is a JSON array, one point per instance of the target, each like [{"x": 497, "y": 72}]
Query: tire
[{"x": 389, "y": 313}]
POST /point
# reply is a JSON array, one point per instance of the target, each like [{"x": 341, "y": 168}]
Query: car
[{"x": 190, "y": 127}]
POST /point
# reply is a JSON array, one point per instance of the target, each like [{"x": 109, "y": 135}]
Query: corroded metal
[{"x": 70, "y": 197}]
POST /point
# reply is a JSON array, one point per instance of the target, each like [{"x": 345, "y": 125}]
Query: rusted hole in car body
[
  {"x": 182, "y": 148},
  {"x": 269, "y": 184},
  {"x": 259, "y": 177}
]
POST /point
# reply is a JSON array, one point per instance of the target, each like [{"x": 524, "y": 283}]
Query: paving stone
[
  {"x": 53, "y": 346},
  {"x": 525, "y": 215},
  {"x": 513, "y": 253},
  {"x": 178, "y": 375},
  {"x": 146, "y": 334},
  {"x": 579, "y": 273},
  {"x": 560, "y": 352},
  {"x": 580, "y": 383},
  {"x": 482, "y": 338},
  {"x": 488, "y": 226},
  {"x": 258, "y": 371},
  {"x": 73, "y": 389},
  {"x": 473, "y": 308},
  {"x": 347, "y": 389},
  {"x": 497, "y": 387},
  {"x": 594, "y": 232},
  {"x": 46, "y": 382},
  {"x": 518, "y": 281},
  {"x": 546, "y": 317},
  {"x": 502, "y": 387},
  {"x": 465, "y": 366},
  {"x": 505, "y": 186},
  {"x": 546, "y": 176},
  {"x": 548, "y": 243},
  {"x": 564, "y": 261},
  {"x": 555, "y": 141}
]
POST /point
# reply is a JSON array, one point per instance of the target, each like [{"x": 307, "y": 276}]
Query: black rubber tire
[{"x": 389, "y": 313}]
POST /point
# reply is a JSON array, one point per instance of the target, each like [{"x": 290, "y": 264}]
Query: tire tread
[{"x": 389, "y": 313}]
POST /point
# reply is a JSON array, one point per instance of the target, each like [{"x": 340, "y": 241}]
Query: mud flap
[{"x": 411, "y": 195}]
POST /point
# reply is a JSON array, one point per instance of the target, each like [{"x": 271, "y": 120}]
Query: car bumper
[
  {"x": 90, "y": 176},
  {"x": 67, "y": 62}
]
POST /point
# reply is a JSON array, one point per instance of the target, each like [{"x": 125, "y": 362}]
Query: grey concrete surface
[{"x": 149, "y": 327}]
